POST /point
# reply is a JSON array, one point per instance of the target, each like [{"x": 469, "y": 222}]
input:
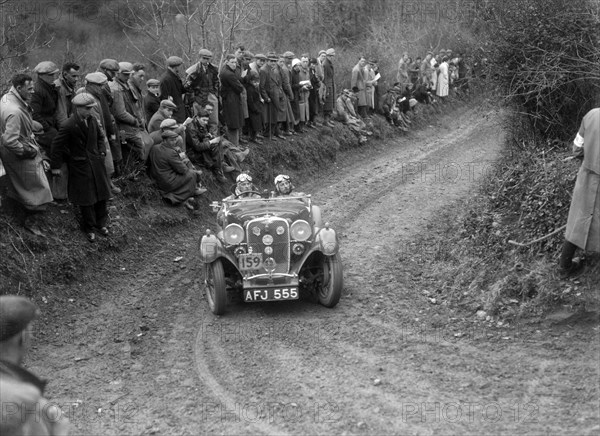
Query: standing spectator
[
  {"x": 358, "y": 81},
  {"x": 128, "y": 112},
  {"x": 426, "y": 69},
  {"x": 313, "y": 99},
  {"x": 152, "y": 98},
  {"x": 241, "y": 71},
  {"x": 329, "y": 81},
  {"x": 413, "y": 70},
  {"x": 259, "y": 60},
  {"x": 231, "y": 91},
  {"x": 25, "y": 411},
  {"x": 171, "y": 87},
  {"x": 402, "y": 76},
  {"x": 110, "y": 68},
  {"x": 44, "y": 102},
  {"x": 82, "y": 144},
  {"x": 272, "y": 94},
  {"x": 303, "y": 96},
  {"x": 21, "y": 155},
  {"x": 65, "y": 85},
  {"x": 255, "y": 107},
  {"x": 374, "y": 65},
  {"x": 202, "y": 81},
  {"x": 285, "y": 66},
  {"x": 583, "y": 223},
  {"x": 178, "y": 182},
  {"x": 66, "y": 90},
  {"x": 443, "y": 80},
  {"x": 96, "y": 86},
  {"x": 463, "y": 69}
]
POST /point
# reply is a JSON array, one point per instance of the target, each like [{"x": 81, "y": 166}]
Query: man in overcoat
[
  {"x": 171, "y": 87},
  {"x": 583, "y": 224},
  {"x": 81, "y": 143},
  {"x": 271, "y": 91},
  {"x": 329, "y": 81},
  {"x": 231, "y": 93},
  {"x": 359, "y": 81},
  {"x": 21, "y": 155}
]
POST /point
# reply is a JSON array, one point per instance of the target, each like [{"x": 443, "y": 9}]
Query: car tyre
[
  {"x": 215, "y": 287},
  {"x": 333, "y": 281}
]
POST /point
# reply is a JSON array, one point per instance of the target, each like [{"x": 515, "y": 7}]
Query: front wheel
[
  {"x": 215, "y": 287},
  {"x": 330, "y": 290}
]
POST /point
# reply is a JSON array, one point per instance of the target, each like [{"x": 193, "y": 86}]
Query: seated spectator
[
  {"x": 168, "y": 124},
  {"x": 391, "y": 109},
  {"x": 215, "y": 153},
  {"x": 346, "y": 113},
  {"x": 177, "y": 179},
  {"x": 165, "y": 111}
]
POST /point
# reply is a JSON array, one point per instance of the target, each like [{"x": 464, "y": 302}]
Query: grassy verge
[{"x": 525, "y": 197}]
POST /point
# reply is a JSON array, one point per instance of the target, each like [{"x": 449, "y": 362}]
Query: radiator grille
[{"x": 256, "y": 231}]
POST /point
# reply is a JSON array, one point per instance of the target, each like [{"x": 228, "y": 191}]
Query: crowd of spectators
[{"x": 67, "y": 136}]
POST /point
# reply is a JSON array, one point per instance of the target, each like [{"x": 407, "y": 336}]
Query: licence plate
[
  {"x": 250, "y": 262},
  {"x": 273, "y": 294}
]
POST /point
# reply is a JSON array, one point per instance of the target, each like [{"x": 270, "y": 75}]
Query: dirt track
[{"x": 387, "y": 360}]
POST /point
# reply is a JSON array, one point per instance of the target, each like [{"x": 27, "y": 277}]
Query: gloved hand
[{"x": 28, "y": 152}]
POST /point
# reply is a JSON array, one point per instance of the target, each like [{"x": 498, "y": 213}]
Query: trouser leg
[
  {"x": 88, "y": 218},
  {"x": 101, "y": 212},
  {"x": 566, "y": 256}
]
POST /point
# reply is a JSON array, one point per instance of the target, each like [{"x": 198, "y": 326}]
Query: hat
[
  {"x": 174, "y": 61},
  {"x": 169, "y": 123},
  {"x": 313, "y": 61},
  {"x": 330, "y": 52},
  {"x": 15, "y": 315},
  {"x": 109, "y": 64},
  {"x": 206, "y": 53},
  {"x": 373, "y": 61},
  {"x": 288, "y": 55},
  {"x": 281, "y": 178},
  {"x": 46, "y": 67},
  {"x": 243, "y": 177},
  {"x": 412, "y": 102},
  {"x": 97, "y": 78},
  {"x": 84, "y": 99},
  {"x": 430, "y": 53},
  {"x": 169, "y": 134},
  {"x": 248, "y": 55},
  {"x": 153, "y": 82},
  {"x": 168, "y": 104},
  {"x": 202, "y": 113},
  {"x": 322, "y": 52},
  {"x": 36, "y": 127},
  {"x": 260, "y": 56},
  {"x": 125, "y": 67},
  {"x": 296, "y": 62},
  {"x": 272, "y": 56}
]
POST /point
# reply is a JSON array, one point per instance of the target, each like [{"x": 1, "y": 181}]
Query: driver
[{"x": 244, "y": 188}]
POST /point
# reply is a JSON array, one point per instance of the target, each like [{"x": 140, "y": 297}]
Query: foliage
[{"x": 546, "y": 55}]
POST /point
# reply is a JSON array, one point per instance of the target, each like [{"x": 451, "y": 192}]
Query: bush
[{"x": 546, "y": 55}]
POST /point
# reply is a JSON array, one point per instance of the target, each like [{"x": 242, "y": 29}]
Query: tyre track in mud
[{"x": 297, "y": 367}]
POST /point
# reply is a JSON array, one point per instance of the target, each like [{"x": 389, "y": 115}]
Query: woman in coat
[
  {"x": 231, "y": 90},
  {"x": 358, "y": 82},
  {"x": 443, "y": 81}
]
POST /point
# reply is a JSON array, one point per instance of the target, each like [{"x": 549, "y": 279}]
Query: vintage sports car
[{"x": 270, "y": 249}]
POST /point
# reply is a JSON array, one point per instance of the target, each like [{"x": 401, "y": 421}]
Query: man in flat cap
[
  {"x": 271, "y": 91},
  {"x": 128, "y": 112},
  {"x": 44, "y": 101},
  {"x": 25, "y": 411},
  {"x": 171, "y": 87},
  {"x": 202, "y": 86},
  {"x": 110, "y": 68},
  {"x": 21, "y": 155},
  {"x": 329, "y": 81},
  {"x": 176, "y": 180},
  {"x": 152, "y": 98},
  {"x": 165, "y": 110},
  {"x": 81, "y": 143},
  {"x": 96, "y": 84}
]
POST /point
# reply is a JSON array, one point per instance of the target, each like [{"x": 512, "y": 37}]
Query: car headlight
[
  {"x": 233, "y": 234},
  {"x": 300, "y": 230}
]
